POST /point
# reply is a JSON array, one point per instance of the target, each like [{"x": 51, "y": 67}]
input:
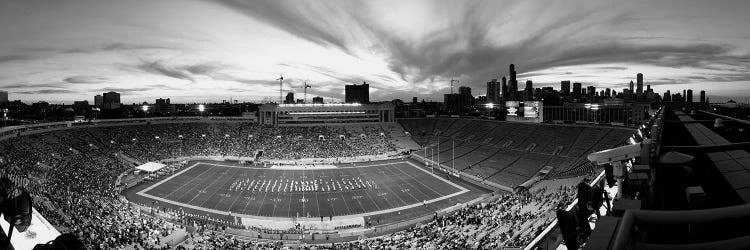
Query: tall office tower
[
  {"x": 504, "y": 89},
  {"x": 632, "y": 90},
  {"x": 703, "y": 96},
  {"x": 513, "y": 88},
  {"x": 689, "y": 96},
  {"x": 3, "y": 97},
  {"x": 639, "y": 91},
  {"x": 684, "y": 95},
  {"x": 319, "y": 100},
  {"x": 493, "y": 91},
  {"x": 162, "y": 101},
  {"x": 459, "y": 102},
  {"x": 608, "y": 93},
  {"x": 98, "y": 101},
  {"x": 529, "y": 90},
  {"x": 111, "y": 100},
  {"x": 289, "y": 98},
  {"x": 591, "y": 91},
  {"x": 414, "y": 100},
  {"x": 463, "y": 90},
  {"x": 565, "y": 88},
  {"x": 667, "y": 96},
  {"x": 576, "y": 90},
  {"x": 357, "y": 93}
]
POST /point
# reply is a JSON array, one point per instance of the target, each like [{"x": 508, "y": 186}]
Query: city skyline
[{"x": 72, "y": 50}]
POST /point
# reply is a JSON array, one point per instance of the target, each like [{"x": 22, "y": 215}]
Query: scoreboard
[{"x": 529, "y": 111}]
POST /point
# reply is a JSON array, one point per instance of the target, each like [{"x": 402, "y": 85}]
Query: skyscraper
[
  {"x": 703, "y": 96},
  {"x": 576, "y": 90},
  {"x": 513, "y": 88},
  {"x": 289, "y": 98},
  {"x": 529, "y": 90},
  {"x": 504, "y": 89},
  {"x": 631, "y": 93},
  {"x": 493, "y": 91},
  {"x": 684, "y": 95},
  {"x": 639, "y": 91},
  {"x": 162, "y": 101},
  {"x": 591, "y": 91},
  {"x": 319, "y": 100},
  {"x": 3, "y": 97},
  {"x": 98, "y": 101},
  {"x": 357, "y": 93},
  {"x": 111, "y": 100},
  {"x": 565, "y": 88},
  {"x": 463, "y": 90},
  {"x": 689, "y": 96}
]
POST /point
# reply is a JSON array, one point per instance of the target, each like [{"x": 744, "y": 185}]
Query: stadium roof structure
[{"x": 150, "y": 167}]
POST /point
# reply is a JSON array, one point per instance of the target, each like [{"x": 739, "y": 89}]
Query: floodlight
[{"x": 201, "y": 107}]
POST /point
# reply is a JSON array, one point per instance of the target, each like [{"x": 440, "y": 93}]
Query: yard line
[
  {"x": 220, "y": 188},
  {"x": 370, "y": 196},
  {"x": 212, "y": 185},
  {"x": 392, "y": 192},
  {"x": 275, "y": 201},
  {"x": 402, "y": 186},
  {"x": 238, "y": 196},
  {"x": 289, "y": 209},
  {"x": 187, "y": 182},
  {"x": 420, "y": 183},
  {"x": 262, "y": 201}
]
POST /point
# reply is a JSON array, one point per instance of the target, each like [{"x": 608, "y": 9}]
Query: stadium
[
  {"x": 194, "y": 182},
  {"x": 350, "y": 124}
]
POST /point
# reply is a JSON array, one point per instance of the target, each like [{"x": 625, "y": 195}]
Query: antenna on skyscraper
[{"x": 281, "y": 79}]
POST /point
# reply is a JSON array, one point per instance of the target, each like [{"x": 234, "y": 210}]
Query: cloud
[
  {"x": 125, "y": 91},
  {"x": 161, "y": 68},
  {"x": 27, "y": 85},
  {"x": 82, "y": 79},
  {"x": 314, "y": 21},
  {"x": 47, "y": 92},
  {"x": 14, "y": 57}
]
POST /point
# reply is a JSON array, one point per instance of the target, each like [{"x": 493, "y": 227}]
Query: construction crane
[
  {"x": 281, "y": 79},
  {"x": 306, "y": 87}
]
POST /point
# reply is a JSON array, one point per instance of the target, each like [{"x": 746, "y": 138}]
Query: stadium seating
[{"x": 508, "y": 153}]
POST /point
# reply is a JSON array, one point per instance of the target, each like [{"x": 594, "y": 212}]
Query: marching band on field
[{"x": 286, "y": 185}]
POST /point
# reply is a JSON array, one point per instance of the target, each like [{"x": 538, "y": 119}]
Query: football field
[{"x": 268, "y": 192}]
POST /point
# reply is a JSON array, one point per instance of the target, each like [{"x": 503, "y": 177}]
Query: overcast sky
[{"x": 195, "y": 50}]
